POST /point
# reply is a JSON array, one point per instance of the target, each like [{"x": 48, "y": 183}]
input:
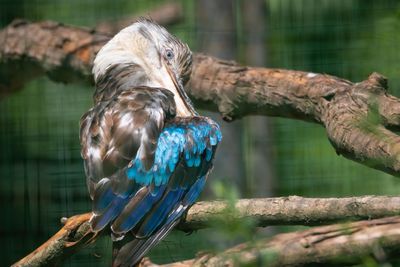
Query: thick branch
[
  {"x": 334, "y": 245},
  {"x": 269, "y": 211},
  {"x": 167, "y": 14},
  {"x": 293, "y": 210},
  {"x": 357, "y": 117}
]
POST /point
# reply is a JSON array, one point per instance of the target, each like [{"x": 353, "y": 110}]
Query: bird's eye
[{"x": 169, "y": 54}]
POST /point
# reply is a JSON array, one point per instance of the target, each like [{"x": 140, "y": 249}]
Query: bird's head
[{"x": 144, "y": 54}]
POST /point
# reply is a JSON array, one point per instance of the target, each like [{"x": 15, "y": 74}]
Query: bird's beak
[{"x": 181, "y": 91}]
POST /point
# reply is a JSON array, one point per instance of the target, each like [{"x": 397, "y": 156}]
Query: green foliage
[
  {"x": 370, "y": 123},
  {"x": 227, "y": 225}
]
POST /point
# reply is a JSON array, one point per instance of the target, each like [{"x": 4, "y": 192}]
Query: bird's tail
[{"x": 130, "y": 250}]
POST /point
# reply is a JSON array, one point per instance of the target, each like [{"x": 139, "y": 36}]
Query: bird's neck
[{"x": 117, "y": 78}]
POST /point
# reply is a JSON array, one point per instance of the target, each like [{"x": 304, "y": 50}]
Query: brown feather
[{"x": 114, "y": 130}]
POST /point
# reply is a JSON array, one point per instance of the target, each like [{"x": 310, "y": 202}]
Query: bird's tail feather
[{"x": 130, "y": 250}]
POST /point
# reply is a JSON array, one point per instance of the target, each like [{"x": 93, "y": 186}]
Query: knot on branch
[
  {"x": 18, "y": 22},
  {"x": 376, "y": 84},
  {"x": 378, "y": 80}
]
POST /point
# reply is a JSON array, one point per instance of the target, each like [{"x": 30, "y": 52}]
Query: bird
[{"x": 147, "y": 153}]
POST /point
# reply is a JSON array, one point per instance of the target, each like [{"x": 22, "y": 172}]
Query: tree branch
[
  {"x": 293, "y": 210},
  {"x": 167, "y": 14},
  {"x": 76, "y": 233},
  {"x": 357, "y": 117},
  {"x": 333, "y": 245}
]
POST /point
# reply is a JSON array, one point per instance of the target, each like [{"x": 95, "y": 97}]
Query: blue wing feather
[
  {"x": 191, "y": 196},
  {"x": 192, "y": 138},
  {"x": 115, "y": 208},
  {"x": 159, "y": 213},
  {"x": 104, "y": 195},
  {"x": 194, "y": 192},
  {"x": 132, "y": 214}
]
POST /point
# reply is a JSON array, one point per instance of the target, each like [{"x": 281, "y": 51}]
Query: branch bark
[
  {"x": 75, "y": 234},
  {"x": 333, "y": 245},
  {"x": 167, "y": 14},
  {"x": 358, "y": 117}
]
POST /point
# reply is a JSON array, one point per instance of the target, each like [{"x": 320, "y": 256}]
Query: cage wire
[{"x": 40, "y": 165}]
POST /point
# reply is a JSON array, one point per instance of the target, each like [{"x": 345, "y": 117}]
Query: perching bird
[{"x": 147, "y": 153}]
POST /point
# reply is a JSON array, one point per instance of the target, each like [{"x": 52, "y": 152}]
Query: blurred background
[{"x": 41, "y": 170}]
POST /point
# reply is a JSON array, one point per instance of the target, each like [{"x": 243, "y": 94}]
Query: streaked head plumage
[{"x": 147, "y": 44}]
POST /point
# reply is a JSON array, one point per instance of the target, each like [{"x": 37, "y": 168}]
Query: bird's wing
[{"x": 183, "y": 159}]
